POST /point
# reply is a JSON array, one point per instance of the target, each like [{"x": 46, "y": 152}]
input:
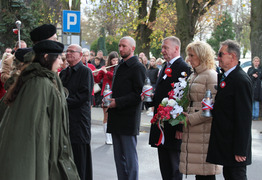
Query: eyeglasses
[
  {"x": 220, "y": 54},
  {"x": 72, "y": 51}
]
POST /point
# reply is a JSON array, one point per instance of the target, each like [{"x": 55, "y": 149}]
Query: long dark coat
[
  {"x": 128, "y": 81},
  {"x": 162, "y": 89},
  {"x": 256, "y": 82},
  {"x": 231, "y": 125}
]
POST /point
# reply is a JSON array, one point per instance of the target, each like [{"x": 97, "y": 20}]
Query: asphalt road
[{"x": 103, "y": 159}]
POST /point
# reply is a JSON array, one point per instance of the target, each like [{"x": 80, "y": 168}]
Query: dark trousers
[
  {"x": 83, "y": 160},
  {"x": 169, "y": 164},
  {"x": 208, "y": 177},
  {"x": 125, "y": 156},
  {"x": 235, "y": 172}
]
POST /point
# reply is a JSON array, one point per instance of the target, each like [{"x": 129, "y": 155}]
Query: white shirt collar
[
  {"x": 174, "y": 59},
  {"x": 229, "y": 71}
]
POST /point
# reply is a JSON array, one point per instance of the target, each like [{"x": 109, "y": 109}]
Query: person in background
[
  {"x": 152, "y": 74},
  {"x": 64, "y": 64},
  {"x": 101, "y": 57},
  {"x": 124, "y": 111},
  {"x": 7, "y": 64},
  {"x": 35, "y": 144},
  {"x": 196, "y": 134},
  {"x": 43, "y": 32},
  {"x": 140, "y": 60},
  {"x": 230, "y": 138},
  {"x": 8, "y": 50},
  {"x": 255, "y": 74},
  {"x": 5, "y": 56},
  {"x": 22, "y": 44},
  {"x": 169, "y": 152},
  {"x": 107, "y": 76},
  {"x": 85, "y": 60},
  {"x": 159, "y": 63},
  {"x": 145, "y": 62},
  {"x": 97, "y": 94},
  {"x": 141, "y": 55},
  {"x": 92, "y": 57},
  {"x": 86, "y": 56},
  {"x": 79, "y": 82}
]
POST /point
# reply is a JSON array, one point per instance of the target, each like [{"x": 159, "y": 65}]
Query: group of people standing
[
  {"x": 206, "y": 142},
  {"x": 45, "y": 128}
]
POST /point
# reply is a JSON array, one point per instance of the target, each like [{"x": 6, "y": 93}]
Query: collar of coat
[
  {"x": 130, "y": 61},
  {"x": 199, "y": 69},
  {"x": 35, "y": 69}
]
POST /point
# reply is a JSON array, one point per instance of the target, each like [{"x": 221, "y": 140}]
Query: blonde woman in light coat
[{"x": 196, "y": 135}]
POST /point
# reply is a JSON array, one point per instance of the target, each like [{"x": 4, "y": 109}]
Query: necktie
[
  {"x": 168, "y": 64},
  {"x": 222, "y": 77}
]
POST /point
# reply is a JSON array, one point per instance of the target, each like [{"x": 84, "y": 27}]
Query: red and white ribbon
[
  {"x": 146, "y": 92},
  {"x": 206, "y": 105},
  {"x": 161, "y": 139},
  {"x": 107, "y": 94}
]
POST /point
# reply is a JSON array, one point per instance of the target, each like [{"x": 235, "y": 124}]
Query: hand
[
  {"x": 179, "y": 135},
  {"x": 240, "y": 158},
  {"x": 95, "y": 73},
  {"x": 104, "y": 69},
  {"x": 255, "y": 75},
  {"x": 187, "y": 121},
  {"x": 112, "y": 104}
]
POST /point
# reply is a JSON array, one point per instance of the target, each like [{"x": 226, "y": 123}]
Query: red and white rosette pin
[
  {"x": 168, "y": 72},
  {"x": 161, "y": 139},
  {"x": 206, "y": 105},
  {"x": 222, "y": 84}
]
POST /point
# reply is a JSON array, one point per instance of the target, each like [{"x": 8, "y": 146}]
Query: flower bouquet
[{"x": 171, "y": 107}]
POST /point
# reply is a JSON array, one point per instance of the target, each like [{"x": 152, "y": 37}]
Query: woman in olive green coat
[{"x": 34, "y": 134}]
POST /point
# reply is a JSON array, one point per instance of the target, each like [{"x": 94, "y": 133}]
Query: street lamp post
[{"x": 18, "y": 25}]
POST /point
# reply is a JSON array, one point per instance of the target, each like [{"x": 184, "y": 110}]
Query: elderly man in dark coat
[
  {"x": 169, "y": 151},
  {"x": 230, "y": 139},
  {"x": 125, "y": 110},
  {"x": 78, "y": 79}
]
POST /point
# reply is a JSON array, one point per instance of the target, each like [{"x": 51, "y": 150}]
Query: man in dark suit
[
  {"x": 125, "y": 110},
  {"x": 230, "y": 139},
  {"x": 79, "y": 82},
  {"x": 169, "y": 151}
]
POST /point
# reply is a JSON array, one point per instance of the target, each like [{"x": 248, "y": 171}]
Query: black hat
[
  {"x": 48, "y": 47},
  {"x": 19, "y": 53},
  {"x": 42, "y": 32}
]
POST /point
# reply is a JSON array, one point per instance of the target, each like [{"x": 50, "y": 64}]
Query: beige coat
[
  {"x": 7, "y": 68},
  {"x": 196, "y": 135}
]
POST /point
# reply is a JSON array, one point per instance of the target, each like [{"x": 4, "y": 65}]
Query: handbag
[{"x": 96, "y": 88}]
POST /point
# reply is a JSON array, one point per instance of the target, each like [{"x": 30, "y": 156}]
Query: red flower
[{"x": 171, "y": 94}]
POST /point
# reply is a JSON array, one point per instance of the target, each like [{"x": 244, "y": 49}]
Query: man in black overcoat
[
  {"x": 230, "y": 139},
  {"x": 124, "y": 111},
  {"x": 169, "y": 151},
  {"x": 79, "y": 81}
]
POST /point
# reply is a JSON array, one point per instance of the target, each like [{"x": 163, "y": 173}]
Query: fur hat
[
  {"x": 19, "y": 53},
  {"x": 42, "y": 32},
  {"x": 48, "y": 47}
]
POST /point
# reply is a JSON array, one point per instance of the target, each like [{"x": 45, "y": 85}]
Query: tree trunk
[
  {"x": 144, "y": 28},
  {"x": 256, "y": 28},
  {"x": 188, "y": 13}
]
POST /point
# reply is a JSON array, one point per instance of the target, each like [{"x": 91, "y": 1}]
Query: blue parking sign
[{"x": 71, "y": 21}]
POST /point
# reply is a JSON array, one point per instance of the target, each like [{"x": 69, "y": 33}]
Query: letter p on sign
[{"x": 71, "y": 21}]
